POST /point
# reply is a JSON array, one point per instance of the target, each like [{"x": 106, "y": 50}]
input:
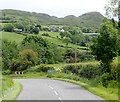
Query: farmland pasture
[
  {"x": 54, "y": 37},
  {"x": 12, "y": 36}
]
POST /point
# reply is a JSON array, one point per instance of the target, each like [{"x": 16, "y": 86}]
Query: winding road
[{"x": 47, "y": 89}]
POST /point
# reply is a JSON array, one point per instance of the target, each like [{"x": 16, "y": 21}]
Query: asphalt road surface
[{"x": 47, "y": 89}]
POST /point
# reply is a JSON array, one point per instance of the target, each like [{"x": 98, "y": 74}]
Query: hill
[{"x": 90, "y": 19}]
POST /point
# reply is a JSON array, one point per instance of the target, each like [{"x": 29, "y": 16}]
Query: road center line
[
  {"x": 60, "y": 99},
  {"x": 55, "y": 92},
  {"x": 51, "y": 87}
]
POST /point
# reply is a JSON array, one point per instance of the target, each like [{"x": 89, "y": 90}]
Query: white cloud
[{"x": 59, "y": 8}]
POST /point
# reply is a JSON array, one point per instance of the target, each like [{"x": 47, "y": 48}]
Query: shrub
[
  {"x": 113, "y": 84},
  {"x": 89, "y": 71},
  {"x": 86, "y": 71},
  {"x": 104, "y": 79},
  {"x": 40, "y": 69},
  {"x": 6, "y": 72},
  {"x": 44, "y": 68}
]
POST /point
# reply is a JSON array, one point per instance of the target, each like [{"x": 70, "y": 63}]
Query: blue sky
[{"x": 59, "y": 8}]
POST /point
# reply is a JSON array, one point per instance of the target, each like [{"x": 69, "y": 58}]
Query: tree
[
  {"x": 20, "y": 26},
  {"x": 76, "y": 36},
  {"x": 9, "y": 51},
  {"x": 113, "y": 10},
  {"x": 104, "y": 46},
  {"x": 63, "y": 34},
  {"x": 67, "y": 40},
  {"x": 47, "y": 52},
  {"x": 24, "y": 60},
  {"x": 8, "y": 27},
  {"x": 36, "y": 30},
  {"x": 38, "y": 25}
]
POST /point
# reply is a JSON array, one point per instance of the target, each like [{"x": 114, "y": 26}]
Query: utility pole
[{"x": 75, "y": 57}]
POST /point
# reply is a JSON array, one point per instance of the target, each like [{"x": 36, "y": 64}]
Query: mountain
[{"x": 90, "y": 19}]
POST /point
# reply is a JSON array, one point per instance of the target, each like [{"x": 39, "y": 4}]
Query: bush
[
  {"x": 89, "y": 71},
  {"x": 44, "y": 68},
  {"x": 6, "y": 72},
  {"x": 104, "y": 79},
  {"x": 40, "y": 69},
  {"x": 113, "y": 84},
  {"x": 85, "y": 71}
]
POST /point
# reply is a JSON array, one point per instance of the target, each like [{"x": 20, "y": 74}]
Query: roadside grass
[
  {"x": 29, "y": 75},
  {"x": 10, "y": 89}
]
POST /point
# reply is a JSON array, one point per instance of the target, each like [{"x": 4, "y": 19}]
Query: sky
[{"x": 58, "y": 8}]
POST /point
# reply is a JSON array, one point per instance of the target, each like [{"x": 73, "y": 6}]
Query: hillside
[{"x": 90, "y": 20}]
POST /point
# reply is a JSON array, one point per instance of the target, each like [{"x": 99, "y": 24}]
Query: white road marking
[
  {"x": 60, "y": 98},
  {"x": 51, "y": 87},
  {"x": 55, "y": 92}
]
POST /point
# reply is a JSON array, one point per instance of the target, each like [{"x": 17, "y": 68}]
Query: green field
[
  {"x": 56, "y": 40},
  {"x": 11, "y": 36}
]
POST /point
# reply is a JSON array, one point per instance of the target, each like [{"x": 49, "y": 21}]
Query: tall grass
[{"x": 10, "y": 89}]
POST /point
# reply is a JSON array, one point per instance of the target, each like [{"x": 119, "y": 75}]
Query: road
[{"x": 47, "y": 89}]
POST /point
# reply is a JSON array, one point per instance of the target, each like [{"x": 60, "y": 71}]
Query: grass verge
[{"x": 12, "y": 92}]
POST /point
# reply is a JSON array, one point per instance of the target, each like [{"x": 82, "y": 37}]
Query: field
[
  {"x": 12, "y": 36},
  {"x": 53, "y": 39}
]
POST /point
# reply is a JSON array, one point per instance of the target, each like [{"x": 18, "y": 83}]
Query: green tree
[
  {"x": 20, "y": 26},
  {"x": 24, "y": 60},
  {"x": 36, "y": 30},
  {"x": 104, "y": 46},
  {"x": 67, "y": 40},
  {"x": 113, "y": 10},
  {"x": 9, "y": 51},
  {"x": 8, "y": 27},
  {"x": 76, "y": 37},
  {"x": 46, "y": 51}
]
